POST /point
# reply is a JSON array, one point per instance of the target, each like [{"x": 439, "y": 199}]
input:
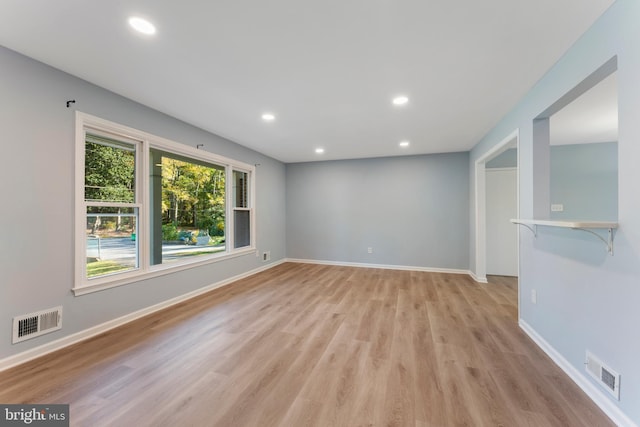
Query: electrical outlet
[
  {"x": 370, "y": 250},
  {"x": 557, "y": 208},
  {"x": 534, "y": 296}
]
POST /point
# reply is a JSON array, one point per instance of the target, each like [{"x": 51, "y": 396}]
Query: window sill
[{"x": 157, "y": 272}]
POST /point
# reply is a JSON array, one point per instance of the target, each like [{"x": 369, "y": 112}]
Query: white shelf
[
  {"x": 588, "y": 226},
  {"x": 566, "y": 224}
]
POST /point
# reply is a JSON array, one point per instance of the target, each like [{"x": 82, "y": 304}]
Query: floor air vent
[
  {"x": 35, "y": 324},
  {"x": 606, "y": 376}
]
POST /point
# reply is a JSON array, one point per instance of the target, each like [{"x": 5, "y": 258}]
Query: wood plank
[{"x": 316, "y": 345}]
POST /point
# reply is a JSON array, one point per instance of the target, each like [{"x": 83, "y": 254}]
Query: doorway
[
  {"x": 503, "y": 156},
  {"x": 501, "y": 207}
]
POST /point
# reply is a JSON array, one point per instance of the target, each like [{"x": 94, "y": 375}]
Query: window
[
  {"x": 241, "y": 210},
  {"x": 188, "y": 207},
  {"x": 111, "y": 204},
  {"x": 146, "y": 206}
]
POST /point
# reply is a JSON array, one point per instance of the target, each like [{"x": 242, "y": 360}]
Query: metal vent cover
[
  {"x": 35, "y": 324},
  {"x": 604, "y": 375}
]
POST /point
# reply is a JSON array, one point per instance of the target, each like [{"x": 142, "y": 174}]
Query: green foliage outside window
[
  {"x": 109, "y": 173},
  {"x": 193, "y": 198}
]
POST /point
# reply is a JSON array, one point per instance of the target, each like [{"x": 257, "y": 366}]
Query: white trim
[
  {"x": 78, "y": 200},
  {"x": 25, "y": 356},
  {"x": 159, "y": 270},
  {"x": 603, "y": 401},
  {"x": 480, "y": 205},
  {"x": 500, "y": 169},
  {"x": 381, "y": 266},
  {"x": 229, "y": 220},
  {"x": 480, "y": 197},
  {"x": 252, "y": 206},
  {"x": 477, "y": 278}
]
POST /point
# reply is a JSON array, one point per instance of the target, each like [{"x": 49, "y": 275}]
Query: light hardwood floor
[{"x": 313, "y": 345}]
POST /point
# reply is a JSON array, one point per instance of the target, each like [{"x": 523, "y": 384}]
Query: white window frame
[
  {"x": 144, "y": 142},
  {"x": 249, "y": 208}
]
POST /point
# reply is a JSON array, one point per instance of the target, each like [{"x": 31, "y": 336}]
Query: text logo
[{"x": 34, "y": 415}]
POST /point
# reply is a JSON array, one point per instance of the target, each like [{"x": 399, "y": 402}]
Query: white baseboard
[
  {"x": 382, "y": 266},
  {"x": 478, "y": 278},
  {"x": 39, "y": 351},
  {"x": 598, "y": 397}
]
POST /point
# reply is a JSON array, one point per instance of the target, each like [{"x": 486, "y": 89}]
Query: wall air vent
[
  {"x": 35, "y": 324},
  {"x": 607, "y": 377}
]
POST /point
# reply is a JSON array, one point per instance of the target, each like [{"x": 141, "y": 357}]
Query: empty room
[{"x": 409, "y": 213}]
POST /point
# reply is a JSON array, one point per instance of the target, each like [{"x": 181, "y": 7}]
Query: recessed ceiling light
[
  {"x": 400, "y": 100},
  {"x": 268, "y": 117},
  {"x": 404, "y": 144},
  {"x": 319, "y": 150},
  {"x": 142, "y": 25}
]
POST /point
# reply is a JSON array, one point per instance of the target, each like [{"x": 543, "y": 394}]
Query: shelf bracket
[
  {"x": 608, "y": 242},
  {"x": 533, "y": 229}
]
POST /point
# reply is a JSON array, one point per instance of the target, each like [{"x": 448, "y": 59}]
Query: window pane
[
  {"x": 111, "y": 241},
  {"x": 188, "y": 207},
  {"x": 242, "y": 229},
  {"x": 109, "y": 172},
  {"x": 240, "y": 189}
]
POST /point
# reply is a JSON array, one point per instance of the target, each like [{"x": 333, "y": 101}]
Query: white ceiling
[{"x": 327, "y": 69}]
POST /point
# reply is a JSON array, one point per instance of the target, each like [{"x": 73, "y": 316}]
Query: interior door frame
[{"x": 510, "y": 141}]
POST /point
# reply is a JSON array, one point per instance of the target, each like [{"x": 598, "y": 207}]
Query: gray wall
[
  {"x": 413, "y": 211},
  {"x": 584, "y": 179},
  {"x": 587, "y": 299},
  {"x": 37, "y": 179}
]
